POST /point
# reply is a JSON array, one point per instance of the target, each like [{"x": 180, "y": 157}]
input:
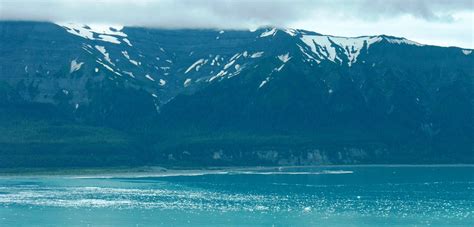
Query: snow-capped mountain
[{"x": 369, "y": 90}]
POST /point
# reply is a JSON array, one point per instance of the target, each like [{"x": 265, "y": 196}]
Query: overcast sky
[{"x": 438, "y": 22}]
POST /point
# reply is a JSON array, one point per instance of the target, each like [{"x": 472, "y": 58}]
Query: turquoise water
[{"x": 335, "y": 196}]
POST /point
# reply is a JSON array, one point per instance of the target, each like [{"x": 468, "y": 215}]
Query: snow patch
[
  {"x": 257, "y": 54},
  {"x": 235, "y": 56},
  {"x": 102, "y": 50},
  {"x": 402, "y": 41},
  {"x": 125, "y": 54},
  {"x": 87, "y": 48},
  {"x": 279, "y": 68},
  {"x": 215, "y": 60},
  {"x": 271, "y": 32},
  {"x": 290, "y": 31},
  {"x": 187, "y": 82},
  {"x": 320, "y": 45},
  {"x": 466, "y": 52},
  {"x": 264, "y": 82},
  {"x": 127, "y": 41},
  {"x": 129, "y": 73},
  {"x": 229, "y": 64},
  {"x": 198, "y": 62},
  {"x": 332, "y": 48},
  {"x": 134, "y": 62},
  {"x": 110, "y": 39},
  {"x": 75, "y": 66},
  {"x": 353, "y": 46},
  {"x": 108, "y": 67},
  {"x": 149, "y": 77},
  {"x": 162, "y": 82},
  {"x": 221, "y": 73},
  {"x": 101, "y": 32},
  {"x": 284, "y": 57},
  {"x": 309, "y": 57}
]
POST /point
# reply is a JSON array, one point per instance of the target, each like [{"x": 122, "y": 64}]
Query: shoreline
[{"x": 160, "y": 171}]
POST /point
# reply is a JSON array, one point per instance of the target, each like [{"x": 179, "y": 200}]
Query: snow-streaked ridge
[
  {"x": 332, "y": 48},
  {"x": 345, "y": 49},
  {"x": 395, "y": 40},
  {"x": 107, "y": 33},
  {"x": 341, "y": 50}
]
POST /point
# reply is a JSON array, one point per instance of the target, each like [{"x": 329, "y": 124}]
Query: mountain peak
[
  {"x": 318, "y": 47},
  {"x": 103, "y": 32},
  {"x": 399, "y": 40}
]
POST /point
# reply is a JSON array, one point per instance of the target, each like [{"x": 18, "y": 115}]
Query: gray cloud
[
  {"x": 439, "y": 10},
  {"x": 242, "y": 14},
  {"x": 160, "y": 13},
  {"x": 224, "y": 13}
]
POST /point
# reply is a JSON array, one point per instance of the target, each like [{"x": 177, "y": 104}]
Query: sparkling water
[{"x": 315, "y": 196}]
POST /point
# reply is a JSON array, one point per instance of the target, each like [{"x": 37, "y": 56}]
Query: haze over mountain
[{"x": 84, "y": 95}]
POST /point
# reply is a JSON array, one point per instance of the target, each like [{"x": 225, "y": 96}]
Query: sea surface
[{"x": 310, "y": 196}]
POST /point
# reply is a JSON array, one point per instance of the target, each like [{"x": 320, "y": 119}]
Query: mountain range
[{"x": 74, "y": 95}]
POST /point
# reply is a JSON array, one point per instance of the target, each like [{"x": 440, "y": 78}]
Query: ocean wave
[
  {"x": 293, "y": 173},
  {"x": 205, "y": 173}
]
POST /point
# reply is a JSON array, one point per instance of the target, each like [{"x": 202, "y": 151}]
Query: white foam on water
[
  {"x": 281, "y": 197},
  {"x": 291, "y": 173}
]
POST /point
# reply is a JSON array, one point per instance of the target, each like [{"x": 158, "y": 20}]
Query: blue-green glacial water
[{"x": 310, "y": 196}]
